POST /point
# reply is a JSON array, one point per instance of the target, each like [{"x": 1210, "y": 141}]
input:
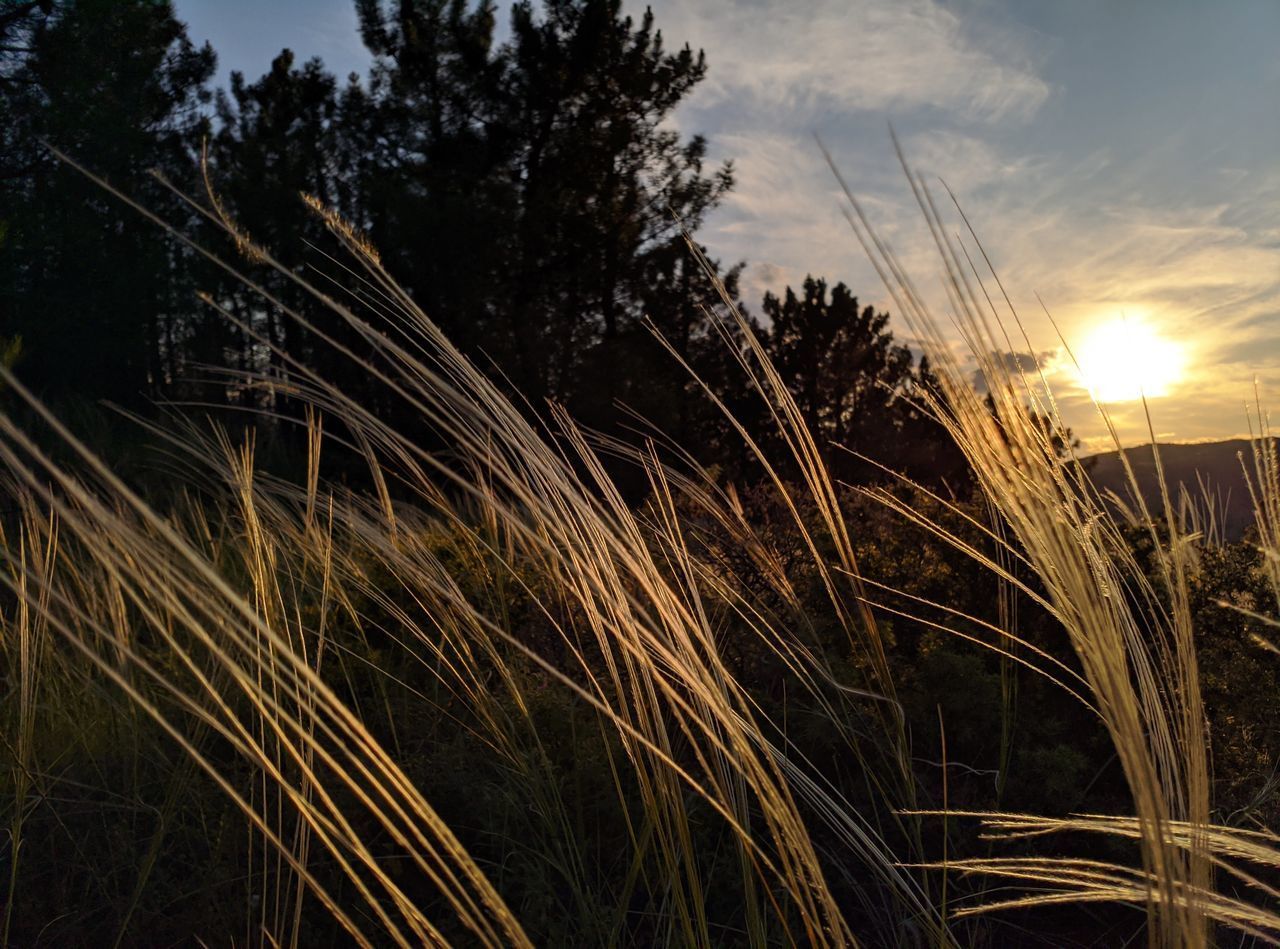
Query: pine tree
[
  {"x": 539, "y": 196},
  {"x": 604, "y": 186},
  {"x": 277, "y": 139},
  {"x": 100, "y": 298},
  {"x": 843, "y": 367},
  {"x": 429, "y": 156}
]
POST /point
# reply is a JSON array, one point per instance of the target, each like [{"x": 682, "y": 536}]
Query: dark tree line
[
  {"x": 100, "y": 299},
  {"x": 530, "y": 194}
]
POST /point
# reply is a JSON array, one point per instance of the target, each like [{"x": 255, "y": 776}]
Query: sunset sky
[{"x": 1118, "y": 159}]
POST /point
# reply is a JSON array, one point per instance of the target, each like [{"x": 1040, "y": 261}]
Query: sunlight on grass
[{"x": 267, "y": 632}]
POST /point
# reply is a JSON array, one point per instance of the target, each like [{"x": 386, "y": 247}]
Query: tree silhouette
[
  {"x": 539, "y": 193},
  {"x": 842, "y": 366},
  {"x": 530, "y": 194},
  {"x": 98, "y": 296},
  {"x": 278, "y": 137}
]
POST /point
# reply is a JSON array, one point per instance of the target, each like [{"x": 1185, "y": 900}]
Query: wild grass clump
[{"x": 487, "y": 700}]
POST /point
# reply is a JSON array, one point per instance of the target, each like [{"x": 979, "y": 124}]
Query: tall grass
[
  {"x": 265, "y": 635},
  {"x": 1135, "y": 646}
]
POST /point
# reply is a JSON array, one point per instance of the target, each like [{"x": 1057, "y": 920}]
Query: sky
[{"x": 1118, "y": 160}]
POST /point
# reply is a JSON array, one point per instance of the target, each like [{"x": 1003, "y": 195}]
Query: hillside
[{"x": 1216, "y": 464}]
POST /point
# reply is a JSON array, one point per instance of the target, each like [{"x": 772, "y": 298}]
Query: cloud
[
  {"x": 967, "y": 163},
  {"x": 1072, "y": 204},
  {"x": 1024, "y": 363},
  {"x": 876, "y": 55},
  {"x": 783, "y": 215}
]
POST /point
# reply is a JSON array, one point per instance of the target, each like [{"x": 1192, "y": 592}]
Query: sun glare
[{"x": 1126, "y": 359}]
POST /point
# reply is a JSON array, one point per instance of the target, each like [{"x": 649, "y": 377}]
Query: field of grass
[{"x": 488, "y": 701}]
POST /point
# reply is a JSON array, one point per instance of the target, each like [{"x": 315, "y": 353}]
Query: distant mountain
[{"x": 1217, "y": 465}]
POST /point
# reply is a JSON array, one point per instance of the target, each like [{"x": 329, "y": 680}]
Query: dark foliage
[
  {"x": 531, "y": 194},
  {"x": 100, "y": 299}
]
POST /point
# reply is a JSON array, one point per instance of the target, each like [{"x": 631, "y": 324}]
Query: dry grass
[{"x": 219, "y": 628}]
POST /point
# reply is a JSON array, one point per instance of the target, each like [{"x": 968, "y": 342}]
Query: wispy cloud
[
  {"x": 877, "y": 55},
  {"x": 1178, "y": 231}
]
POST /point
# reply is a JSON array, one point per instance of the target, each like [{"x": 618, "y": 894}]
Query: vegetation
[
  {"x": 529, "y": 194},
  {"x": 407, "y": 655}
]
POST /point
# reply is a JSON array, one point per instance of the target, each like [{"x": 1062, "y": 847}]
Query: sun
[{"x": 1126, "y": 359}]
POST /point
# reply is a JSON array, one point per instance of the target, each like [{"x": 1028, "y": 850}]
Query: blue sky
[{"x": 1120, "y": 159}]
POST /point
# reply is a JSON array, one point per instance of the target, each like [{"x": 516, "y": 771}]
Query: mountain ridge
[{"x": 1198, "y": 467}]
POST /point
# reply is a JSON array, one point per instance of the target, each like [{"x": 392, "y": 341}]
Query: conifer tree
[
  {"x": 842, "y": 365},
  {"x": 100, "y": 297},
  {"x": 540, "y": 197}
]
